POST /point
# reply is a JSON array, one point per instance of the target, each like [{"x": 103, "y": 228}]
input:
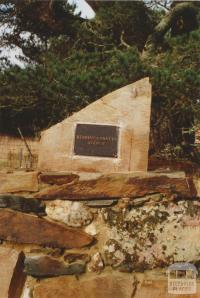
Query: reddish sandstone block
[{"x": 12, "y": 277}]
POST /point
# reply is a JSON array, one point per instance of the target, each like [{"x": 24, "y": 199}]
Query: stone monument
[{"x": 109, "y": 135}]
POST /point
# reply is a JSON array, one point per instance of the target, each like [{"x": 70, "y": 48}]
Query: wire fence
[
  {"x": 197, "y": 138},
  {"x": 14, "y": 154}
]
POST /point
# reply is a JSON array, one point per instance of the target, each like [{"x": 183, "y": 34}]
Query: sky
[
  {"x": 11, "y": 54},
  {"x": 84, "y": 8}
]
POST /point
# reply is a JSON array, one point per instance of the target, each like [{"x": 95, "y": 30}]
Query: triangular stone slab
[{"x": 112, "y": 136}]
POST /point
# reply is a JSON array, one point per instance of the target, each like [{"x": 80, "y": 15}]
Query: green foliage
[
  {"x": 41, "y": 95},
  {"x": 134, "y": 22},
  {"x": 176, "y": 89},
  {"x": 30, "y": 24}
]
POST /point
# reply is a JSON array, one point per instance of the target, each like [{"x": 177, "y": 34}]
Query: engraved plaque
[{"x": 96, "y": 140}]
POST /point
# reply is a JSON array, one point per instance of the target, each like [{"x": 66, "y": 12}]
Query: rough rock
[
  {"x": 126, "y": 267},
  {"x": 24, "y": 228},
  {"x": 96, "y": 264},
  {"x": 73, "y": 214},
  {"x": 18, "y": 182},
  {"x": 12, "y": 278},
  {"x": 29, "y": 284},
  {"x": 100, "y": 203},
  {"x": 152, "y": 236},
  {"x": 144, "y": 200},
  {"x": 53, "y": 252},
  {"x": 120, "y": 185},
  {"x": 22, "y": 204},
  {"x": 91, "y": 229},
  {"x": 46, "y": 266},
  {"x": 114, "y": 253},
  {"x": 58, "y": 178},
  {"x": 26, "y": 293},
  {"x": 72, "y": 257},
  {"x": 105, "y": 285}
]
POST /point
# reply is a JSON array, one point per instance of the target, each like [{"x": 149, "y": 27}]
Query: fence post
[{"x": 27, "y": 146}]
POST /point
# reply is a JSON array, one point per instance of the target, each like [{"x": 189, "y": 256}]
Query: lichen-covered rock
[
  {"x": 114, "y": 254},
  {"x": 73, "y": 214},
  {"x": 96, "y": 264},
  {"x": 152, "y": 235}
]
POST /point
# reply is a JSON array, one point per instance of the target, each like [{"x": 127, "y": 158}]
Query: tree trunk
[{"x": 166, "y": 23}]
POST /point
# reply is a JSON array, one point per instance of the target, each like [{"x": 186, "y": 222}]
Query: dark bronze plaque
[{"x": 96, "y": 140}]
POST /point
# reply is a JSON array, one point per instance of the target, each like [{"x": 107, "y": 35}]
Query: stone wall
[{"x": 92, "y": 235}]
